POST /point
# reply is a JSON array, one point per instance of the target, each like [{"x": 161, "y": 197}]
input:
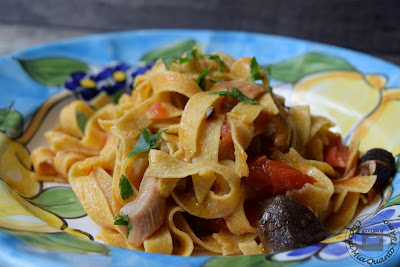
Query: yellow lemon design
[
  {"x": 345, "y": 97},
  {"x": 381, "y": 128},
  {"x": 15, "y": 167},
  {"x": 19, "y": 214},
  {"x": 15, "y": 211},
  {"x": 357, "y": 103},
  {"x": 14, "y": 216}
]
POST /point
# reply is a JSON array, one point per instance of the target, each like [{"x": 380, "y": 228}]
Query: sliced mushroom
[{"x": 285, "y": 224}]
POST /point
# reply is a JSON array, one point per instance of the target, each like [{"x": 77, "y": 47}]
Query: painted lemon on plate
[{"x": 358, "y": 103}]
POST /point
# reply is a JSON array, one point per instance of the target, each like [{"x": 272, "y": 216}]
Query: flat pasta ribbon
[{"x": 164, "y": 166}]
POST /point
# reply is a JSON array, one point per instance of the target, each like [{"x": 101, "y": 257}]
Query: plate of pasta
[{"x": 198, "y": 147}]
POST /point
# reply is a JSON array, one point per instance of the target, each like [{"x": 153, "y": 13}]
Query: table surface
[{"x": 372, "y": 27}]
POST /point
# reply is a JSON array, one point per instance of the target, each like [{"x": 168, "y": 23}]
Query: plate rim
[{"x": 155, "y": 31}]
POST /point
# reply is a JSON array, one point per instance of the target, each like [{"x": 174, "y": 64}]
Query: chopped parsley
[
  {"x": 237, "y": 95},
  {"x": 123, "y": 220},
  {"x": 129, "y": 229},
  {"x": 201, "y": 79},
  {"x": 145, "y": 142},
  {"x": 217, "y": 59},
  {"x": 125, "y": 187},
  {"x": 255, "y": 70},
  {"x": 190, "y": 55}
]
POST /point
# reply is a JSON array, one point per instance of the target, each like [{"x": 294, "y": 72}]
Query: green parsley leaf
[
  {"x": 145, "y": 142},
  {"x": 190, "y": 55},
  {"x": 142, "y": 144},
  {"x": 216, "y": 58},
  {"x": 82, "y": 120},
  {"x": 125, "y": 187},
  {"x": 121, "y": 220},
  {"x": 221, "y": 64},
  {"x": 237, "y": 95},
  {"x": 255, "y": 71},
  {"x": 129, "y": 229},
  {"x": 153, "y": 138},
  {"x": 201, "y": 79}
]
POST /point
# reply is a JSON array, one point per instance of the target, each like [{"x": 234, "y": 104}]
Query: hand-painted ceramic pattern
[{"x": 40, "y": 222}]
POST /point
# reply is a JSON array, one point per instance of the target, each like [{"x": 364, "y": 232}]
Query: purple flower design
[{"x": 112, "y": 78}]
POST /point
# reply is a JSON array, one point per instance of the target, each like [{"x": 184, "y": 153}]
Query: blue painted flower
[{"x": 110, "y": 79}]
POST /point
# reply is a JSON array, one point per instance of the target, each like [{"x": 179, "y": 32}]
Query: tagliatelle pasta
[{"x": 175, "y": 157}]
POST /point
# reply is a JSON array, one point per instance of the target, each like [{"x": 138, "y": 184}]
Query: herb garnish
[
  {"x": 190, "y": 55},
  {"x": 237, "y": 95},
  {"x": 217, "y": 59},
  {"x": 123, "y": 220},
  {"x": 145, "y": 142},
  {"x": 128, "y": 230},
  {"x": 255, "y": 70},
  {"x": 201, "y": 79},
  {"x": 125, "y": 187}
]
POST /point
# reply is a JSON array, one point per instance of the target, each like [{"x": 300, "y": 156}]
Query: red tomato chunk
[
  {"x": 157, "y": 110},
  {"x": 226, "y": 134},
  {"x": 275, "y": 178},
  {"x": 338, "y": 154}
]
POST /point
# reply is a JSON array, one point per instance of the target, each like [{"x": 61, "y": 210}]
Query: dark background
[{"x": 372, "y": 27}]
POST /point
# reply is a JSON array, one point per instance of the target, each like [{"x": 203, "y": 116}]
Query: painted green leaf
[
  {"x": 397, "y": 162},
  {"x": 298, "y": 67},
  {"x": 61, "y": 201},
  {"x": 82, "y": 119},
  {"x": 172, "y": 51},
  {"x": 61, "y": 242},
  {"x": 392, "y": 202},
  {"x": 117, "y": 95},
  {"x": 52, "y": 71},
  {"x": 247, "y": 261},
  {"x": 11, "y": 122}
]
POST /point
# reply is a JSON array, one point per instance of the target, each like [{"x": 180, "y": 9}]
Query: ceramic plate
[{"x": 43, "y": 224}]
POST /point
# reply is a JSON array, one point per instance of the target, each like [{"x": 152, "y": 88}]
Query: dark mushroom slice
[
  {"x": 285, "y": 224},
  {"x": 385, "y": 166}
]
